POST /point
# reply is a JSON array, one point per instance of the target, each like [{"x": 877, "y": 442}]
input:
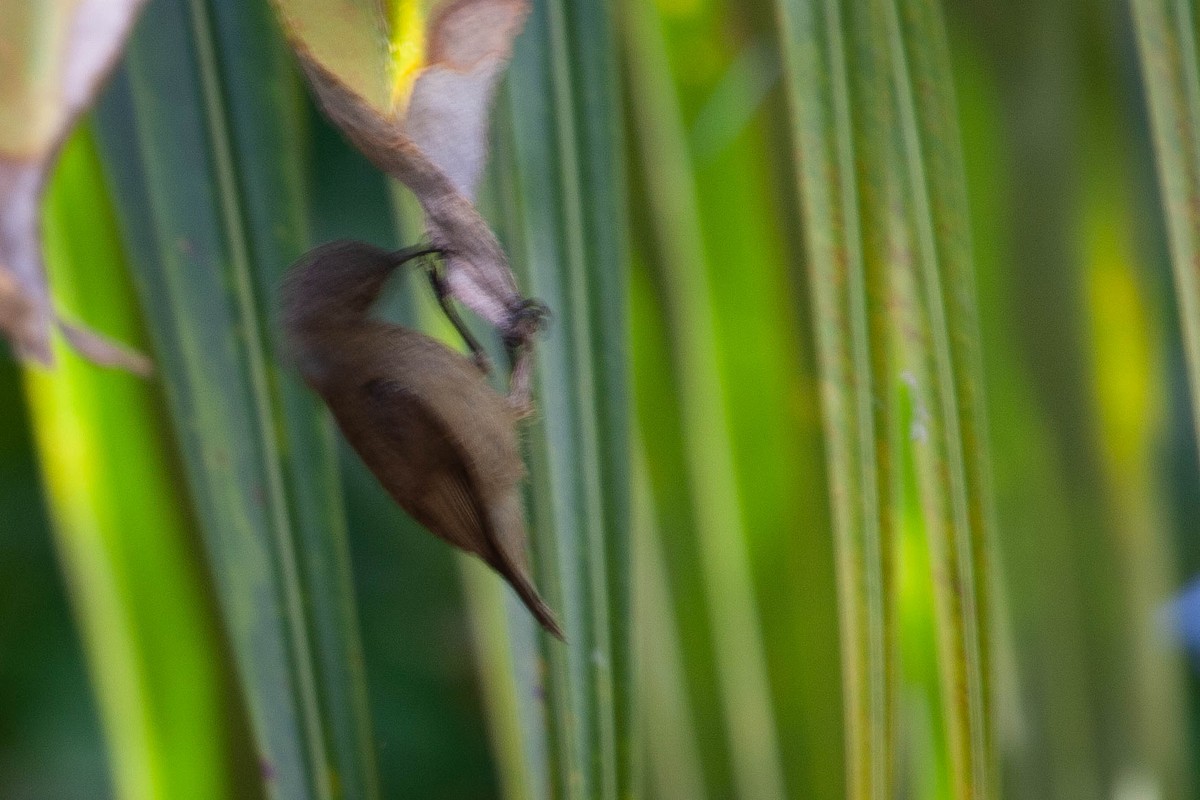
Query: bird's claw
[{"x": 527, "y": 318}]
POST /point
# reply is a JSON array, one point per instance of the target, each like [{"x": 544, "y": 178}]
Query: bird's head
[{"x": 334, "y": 284}]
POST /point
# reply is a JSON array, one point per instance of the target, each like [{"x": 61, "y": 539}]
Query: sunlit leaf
[{"x": 112, "y": 488}]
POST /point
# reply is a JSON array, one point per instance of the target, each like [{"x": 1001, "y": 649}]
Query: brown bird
[{"x": 423, "y": 418}]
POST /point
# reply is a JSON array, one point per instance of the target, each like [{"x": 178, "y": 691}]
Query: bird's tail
[
  {"x": 533, "y": 601},
  {"x": 509, "y": 559}
]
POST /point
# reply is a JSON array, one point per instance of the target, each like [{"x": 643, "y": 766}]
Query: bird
[{"x": 423, "y": 418}]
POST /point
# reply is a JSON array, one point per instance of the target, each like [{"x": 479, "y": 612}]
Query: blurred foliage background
[{"x": 739, "y": 669}]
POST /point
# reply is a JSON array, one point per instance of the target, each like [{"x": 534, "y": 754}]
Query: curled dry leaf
[
  {"x": 423, "y": 418},
  {"x": 104, "y": 352},
  {"x": 54, "y": 55},
  {"x": 412, "y": 90}
]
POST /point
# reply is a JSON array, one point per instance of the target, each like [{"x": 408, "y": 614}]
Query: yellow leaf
[{"x": 408, "y": 49}]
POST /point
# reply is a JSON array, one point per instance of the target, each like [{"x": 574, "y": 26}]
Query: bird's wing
[{"x": 443, "y": 496}]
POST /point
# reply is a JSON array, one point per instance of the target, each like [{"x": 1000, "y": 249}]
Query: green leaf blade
[
  {"x": 1166, "y": 34},
  {"x": 204, "y": 218}
]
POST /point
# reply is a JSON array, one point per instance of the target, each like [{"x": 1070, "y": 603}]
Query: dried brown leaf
[
  {"x": 434, "y": 138},
  {"x": 54, "y": 55},
  {"x": 103, "y": 351},
  {"x": 25, "y": 313}
]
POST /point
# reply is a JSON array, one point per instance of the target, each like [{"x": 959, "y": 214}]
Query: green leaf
[
  {"x": 122, "y": 523},
  {"x": 559, "y": 187},
  {"x": 674, "y": 767},
  {"x": 854, "y": 359},
  {"x": 212, "y": 208},
  {"x": 1171, "y": 72},
  {"x": 952, "y": 460},
  {"x": 889, "y": 254},
  {"x": 722, "y": 539}
]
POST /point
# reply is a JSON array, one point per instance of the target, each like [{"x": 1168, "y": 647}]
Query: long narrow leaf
[
  {"x": 850, "y": 352},
  {"x": 504, "y": 640},
  {"x": 557, "y": 137},
  {"x": 210, "y": 210},
  {"x": 872, "y": 96},
  {"x": 122, "y": 521},
  {"x": 1166, "y": 33},
  {"x": 674, "y": 769},
  {"x": 588, "y": 56},
  {"x": 739, "y": 651},
  {"x": 942, "y": 335},
  {"x": 265, "y": 120}
]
